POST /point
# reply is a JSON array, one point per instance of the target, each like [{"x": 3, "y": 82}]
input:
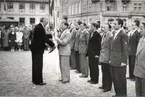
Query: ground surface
[{"x": 15, "y": 79}]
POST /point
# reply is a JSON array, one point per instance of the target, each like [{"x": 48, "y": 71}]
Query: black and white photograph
[{"x": 72, "y": 48}]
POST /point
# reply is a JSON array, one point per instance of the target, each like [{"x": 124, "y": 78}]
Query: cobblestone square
[{"x": 15, "y": 79}]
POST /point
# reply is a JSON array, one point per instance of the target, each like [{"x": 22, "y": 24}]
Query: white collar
[
  {"x": 42, "y": 25},
  {"x": 117, "y": 31}
]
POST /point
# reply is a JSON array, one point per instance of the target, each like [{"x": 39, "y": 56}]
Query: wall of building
[
  {"x": 27, "y": 14},
  {"x": 103, "y": 11}
]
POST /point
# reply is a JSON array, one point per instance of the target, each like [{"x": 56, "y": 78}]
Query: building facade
[
  {"x": 25, "y": 11},
  {"x": 104, "y": 10}
]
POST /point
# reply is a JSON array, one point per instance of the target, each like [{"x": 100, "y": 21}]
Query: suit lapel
[
  {"x": 114, "y": 40},
  {"x": 63, "y": 33}
]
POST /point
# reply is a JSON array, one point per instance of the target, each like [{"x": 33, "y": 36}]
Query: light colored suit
[
  {"x": 64, "y": 55},
  {"x": 139, "y": 70},
  {"x": 63, "y": 46},
  {"x": 83, "y": 45},
  {"x": 105, "y": 48}
]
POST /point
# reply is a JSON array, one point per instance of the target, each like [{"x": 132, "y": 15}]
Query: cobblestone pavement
[{"x": 15, "y": 79}]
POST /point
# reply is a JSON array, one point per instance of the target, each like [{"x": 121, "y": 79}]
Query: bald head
[{"x": 44, "y": 21}]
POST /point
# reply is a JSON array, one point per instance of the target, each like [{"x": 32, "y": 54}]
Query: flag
[
  {"x": 51, "y": 7},
  {"x": 5, "y": 5}
]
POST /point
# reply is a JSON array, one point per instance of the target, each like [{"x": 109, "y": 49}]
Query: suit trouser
[
  {"x": 118, "y": 75},
  {"x": 131, "y": 66},
  {"x": 26, "y": 43},
  {"x": 37, "y": 66},
  {"x": 84, "y": 64},
  {"x": 72, "y": 59},
  {"x": 77, "y": 61},
  {"x": 106, "y": 76},
  {"x": 94, "y": 69},
  {"x": 64, "y": 67},
  {"x": 140, "y": 86}
]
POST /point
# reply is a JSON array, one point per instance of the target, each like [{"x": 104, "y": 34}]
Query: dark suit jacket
[
  {"x": 39, "y": 39},
  {"x": 119, "y": 50},
  {"x": 133, "y": 42},
  {"x": 94, "y": 45}
]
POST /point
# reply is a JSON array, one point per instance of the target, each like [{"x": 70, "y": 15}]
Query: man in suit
[
  {"x": 73, "y": 32},
  {"x": 93, "y": 53},
  {"x": 64, "y": 52},
  {"x": 37, "y": 49},
  {"x": 139, "y": 70},
  {"x": 118, "y": 58},
  {"x": 76, "y": 48},
  {"x": 133, "y": 42},
  {"x": 105, "y": 57}
]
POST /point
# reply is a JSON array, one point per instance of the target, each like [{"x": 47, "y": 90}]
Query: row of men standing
[{"x": 113, "y": 56}]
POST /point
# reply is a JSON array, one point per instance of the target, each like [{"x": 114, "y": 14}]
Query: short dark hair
[
  {"x": 109, "y": 26},
  {"x": 120, "y": 22},
  {"x": 95, "y": 25},
  {"x": 66, "y": 24},
  {"x": 84, "y": 24},
  {"x": 137, "y": 22},
  {"x": 65, "y": 17},
  {"x": 79, "y": 22}
]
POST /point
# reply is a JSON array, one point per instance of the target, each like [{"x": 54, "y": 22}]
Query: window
[
  {"x": 32, "y": 7},
  {"x": 22, "y": 20},
  {"x": 32, "y": 21},
  {"x": 109, "y": 7},
  {"x": 135, "y": 8},
  {"x": 138, "y": 7},
  {"x": 22, "y": 7},
  {"x": 10, "y": 7},
  {"x": 124, "y": 7},
  {"x": 42, "y": 7},
  {"x": 11, "y": 18}
]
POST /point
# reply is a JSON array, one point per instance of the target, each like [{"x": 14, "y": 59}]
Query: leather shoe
[
  {"x": 64, "y": 82},
  {"x": 105, "y": 90},
  {"x": 41, "y": 84},
  {"x": 101, "y": 88},
  {"x": 83, "y": 76}
]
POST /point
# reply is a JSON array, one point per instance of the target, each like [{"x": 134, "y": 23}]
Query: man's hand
[
  {"x": 96, "y": 56},
  {"x": 123, "y": 64}
]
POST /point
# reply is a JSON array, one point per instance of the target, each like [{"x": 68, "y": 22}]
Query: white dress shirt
[{"x": 117, "y": 32}]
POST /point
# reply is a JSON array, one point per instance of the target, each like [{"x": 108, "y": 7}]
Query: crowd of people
[
  {"x": 84, "y": 47},
  {"x": 112, "y": 46},
  {"x": 15, "y": 38}
]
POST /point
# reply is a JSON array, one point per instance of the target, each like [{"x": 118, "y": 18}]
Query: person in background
[
  {"x": 76, "y": 48},
  {"x": 105, "y": 57},
  {"x": 26, "y": 34},
  {"x": 5, "y": 37},
  {"x": 19, "y": 38},
  {"x": 73, "y": 32},
  {"x": 93, "y": 53},
  {"x": 118, "y": 58},
  {"x": 133, "y": 43},
  {"x": 12, "y": 38},
  {"x": 64, "y": 52},
  {"x": 139, "y": 70},
  {"x": 83, "y": 46}
]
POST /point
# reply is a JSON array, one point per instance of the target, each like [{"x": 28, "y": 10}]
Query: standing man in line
[
  {"x": 139, "y": 70},
  {"x": 64, "y": 52},
  {"x": 93, "y": 53},
  {"x": 37, "y": 49},
  {"x": 133, "y": 43},
  {"x": 118, "y": 59},
  {"x": 105, "y": 57}
]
